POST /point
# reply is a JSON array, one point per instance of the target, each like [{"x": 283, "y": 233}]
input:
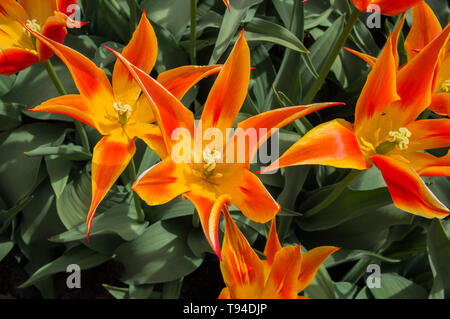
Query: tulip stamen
[
  {"x": 366, "y": 146},
  {"x": 210, "y": 157},
  {"x": 400, "y": 137},
  {"x": 445, "y": 88},
  {"x": 33, "y": 25},
  {"x": 123, "y": 111}
]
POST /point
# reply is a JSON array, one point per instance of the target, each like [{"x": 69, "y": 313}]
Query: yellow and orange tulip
[
  {"x": 388, "y": 7},
  {"x": 386, "y": 130},
  {"x": 117, "y": 111},
  {"x": 283, "y": 275},
  {"x": 208, "y": 183},
  {"x": 425, "y": 27},
  {"x": 17, "y": 48}
]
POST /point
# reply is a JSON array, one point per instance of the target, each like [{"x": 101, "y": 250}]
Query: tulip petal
[
  {"x": 55, "y": 29},
  {"x": 161, "y": 183},
  {"x": 111, "y": 156},
  {"x": 141, "y": 51},
  {"x": 388, "y": 7},
  {"x": 250, "y": 196},
  {"x": 311, "y": 263},
  {"x": 75, "y": 106},
  {"x": 440, "y": 104},
  {"x": 13, "y": 60},
  {"x": 407, "y": 189},
  {"x": 370, "y": 60},
  {"x": 265, "y": 124},
  {"x": 143, "y": 111},
  {"x": 429, "y": 134},
  {"x": 342, "y": 149},
  {"x": 273, "y": 243},
  {"x": 379, "y": 91},
  {"x": 209, "y": 209},
  {"x": 242, "y": 270},
  {"x": 12, "y": 33},
  {"x": 425, "y": 27},
  {"x": 179, "y": 80},
  {"x": 67, "y": 7},
  {"x": 39, "y": 10},
  {"x": 170, "y": 114},
  {"x": 90, "y": 80},
  {"x": 414, "y": 90},
  {"x": 282, "y": 280},
  {"x": 224, "y": 294},
  {"x": 229, "y": 90},
  {"x": 227, "y": 3},
  {"x": 428, "y": 165},
  {"x": 150, "y": 134}
]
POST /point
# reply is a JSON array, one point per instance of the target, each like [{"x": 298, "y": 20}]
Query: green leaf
[
  {"x": 58, "y": 171},
  {"x": 230, "y": 25},
  {"x": 10, "y": 115},
  {"x": 321, "y": 287},
  {"x": 439, "y": 255},
  {"x": 120, "y": 220},
  {"x": 394, "y": 286},
  {"x": 18, "y": 172},
  {"x": 262, "y": 30},
  {"x": 174, "y": 15},
  {"x": 177, "y": 207},
  {"x": 160, "y": 254},
  {"x": 5, "y": 248},
  {"x": 82, "y": 256},
  {"x": 70, "y": 151}
]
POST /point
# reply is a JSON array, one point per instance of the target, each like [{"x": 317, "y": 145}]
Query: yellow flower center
[
  {"x": 123, "y": 111},
  {"x": 33, "y": 25},
  {"x": 210, "y": 158},
  {"x": 400, "y": 138},
  {"x": 445, "y": 88}
]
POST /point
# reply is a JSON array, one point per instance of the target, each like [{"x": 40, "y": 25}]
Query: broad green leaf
[
  {"x": 18, "y": 172},
  {"x": 262, "y": 30},
  {"x": 177, "y": 207},
  {"x": 5, "y": 248},
  {"x": 322, "y": 287},
  {"x": 345, "y": 290},
  {"x": 70, "y": 151},
  {"x": 10, "y": 115},
  {"x": 160, "y": 254},
  {"x": 394, "y": 286},
  {"x": 120, "y": 220},
  {"x": 58, "y": 171},
  {"x": 230, "y": 25},
  {"x": 82, "y": 256},
  {"x": 174, "y": 15},
  {"x": 439, "y": 255}
]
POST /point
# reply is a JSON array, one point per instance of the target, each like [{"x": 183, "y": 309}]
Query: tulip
[
  {"x": 387, "y": 131},
  {"x": 18, "y": 49},
  {"x": 283, "y": 275}
]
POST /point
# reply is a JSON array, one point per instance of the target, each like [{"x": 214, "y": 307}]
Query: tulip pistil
[
  {"x": 210, "y": 157},
  {"x": 123, "y": 111}
]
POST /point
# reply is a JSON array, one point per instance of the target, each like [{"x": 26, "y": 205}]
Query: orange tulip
[
  {"x": 425, "y": 27},
  {"x": 386, "y": 132},
  {"x": 388, "y": 7},
  {"x": 18, "y": 50},
  {"x": 117, "y": 111},
  {"x": 283, "y": 275},
  {"x": 203, "y": 178}
]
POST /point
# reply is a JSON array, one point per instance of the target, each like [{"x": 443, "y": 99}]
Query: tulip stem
[
  {"x": 59, "y": 86},
  {"x": 193, "y": 49},
  {"x": 334, "y": 194},
  {"x": 333, "y": 55},
  {"x": 137, "y": 201}
]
